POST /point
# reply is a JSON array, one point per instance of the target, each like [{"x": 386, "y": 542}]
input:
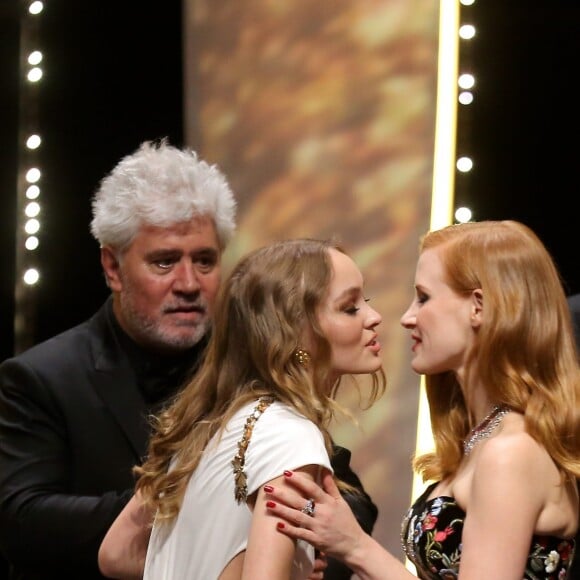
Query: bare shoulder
[
  {"x": 513, "y": 476},
  {"x": 514, "y": 452}
]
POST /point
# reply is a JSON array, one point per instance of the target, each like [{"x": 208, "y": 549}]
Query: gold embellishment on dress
[{"x": 238, "y": 463}]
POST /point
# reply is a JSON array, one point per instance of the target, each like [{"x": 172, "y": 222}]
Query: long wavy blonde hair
[
  {"x": 524, "y": 352},
  {"x": 264, "y": 310}
]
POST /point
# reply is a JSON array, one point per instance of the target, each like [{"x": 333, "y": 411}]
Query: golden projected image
[{"x": 322, "y": 115}]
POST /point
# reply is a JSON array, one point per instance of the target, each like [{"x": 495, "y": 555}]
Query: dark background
[{"x": 113, "y": 78}]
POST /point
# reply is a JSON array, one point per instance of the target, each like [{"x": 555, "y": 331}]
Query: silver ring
[{"x": 308, "y": 509}]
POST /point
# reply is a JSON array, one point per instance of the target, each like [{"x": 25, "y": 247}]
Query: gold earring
[{"x": 302, "y": 356}]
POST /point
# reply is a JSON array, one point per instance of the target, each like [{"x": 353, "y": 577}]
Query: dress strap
[{"x": 238, "y": 463}]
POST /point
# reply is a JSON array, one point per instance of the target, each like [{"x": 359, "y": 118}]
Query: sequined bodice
[{"x": 431, "y": 535}]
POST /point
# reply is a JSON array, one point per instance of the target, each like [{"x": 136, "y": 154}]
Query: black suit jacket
[
  {"x": 72, "y": 425},
  {"x": 362, "y": 506}
]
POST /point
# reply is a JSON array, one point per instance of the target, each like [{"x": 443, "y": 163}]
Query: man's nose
[{"x": 186, "y": 278}]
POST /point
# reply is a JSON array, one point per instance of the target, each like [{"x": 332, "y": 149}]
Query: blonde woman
[{"x": 290, "y": 321}]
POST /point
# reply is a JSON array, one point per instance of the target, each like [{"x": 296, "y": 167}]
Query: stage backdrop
[{"x": 322, "y": 115}]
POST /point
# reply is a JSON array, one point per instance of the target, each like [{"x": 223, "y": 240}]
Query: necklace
[{"x": 485, "y": 428}]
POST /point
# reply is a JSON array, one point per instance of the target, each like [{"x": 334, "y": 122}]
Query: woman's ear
[{"x": 476, "y": 308}]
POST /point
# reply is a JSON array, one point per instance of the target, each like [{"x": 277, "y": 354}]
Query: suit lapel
[{"x": 116, "y": 383}]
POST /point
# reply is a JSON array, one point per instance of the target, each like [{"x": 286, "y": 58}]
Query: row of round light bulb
[
  {"x": 33, "y": 174},
  {"x": 465, "y": 82}
]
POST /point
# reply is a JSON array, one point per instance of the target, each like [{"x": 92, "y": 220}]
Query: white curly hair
[{"x": 160, "y": 185}]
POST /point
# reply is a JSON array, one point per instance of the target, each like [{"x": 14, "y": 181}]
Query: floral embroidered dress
[{"x": 431, "y": 535}]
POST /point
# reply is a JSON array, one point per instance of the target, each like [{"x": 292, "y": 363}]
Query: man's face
[{"x": 165, "y": 283}]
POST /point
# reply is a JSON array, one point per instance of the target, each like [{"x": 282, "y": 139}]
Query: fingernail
[
  {"x": 280, "y": 525},
  {"x": 288, "y": 473},
  {"x": 268, "y": 489},
  {"x": 270, "y": 504}
]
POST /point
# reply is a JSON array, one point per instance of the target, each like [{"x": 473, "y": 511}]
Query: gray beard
[{"x": 149, "y": 333}]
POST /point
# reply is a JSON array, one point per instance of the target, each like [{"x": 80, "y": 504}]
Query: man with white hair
[{"x": 74, "y": 409}]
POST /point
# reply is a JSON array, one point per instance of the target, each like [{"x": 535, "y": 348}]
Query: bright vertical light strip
[
  {"x": 446, "y": 115},
  {"x": 443, "y": 168},
  {"x": 443, "y": 175}
]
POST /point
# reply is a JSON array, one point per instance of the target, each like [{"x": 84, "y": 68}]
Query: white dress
[{"x": 211, "y": 527}]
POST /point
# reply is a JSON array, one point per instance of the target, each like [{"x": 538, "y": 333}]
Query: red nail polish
[
  {"x": 288, "y": 473},
  {"x": 280, "y": 525},
  {"x": 268, "y": 489},
  {"x": 270, "y": 504}
]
